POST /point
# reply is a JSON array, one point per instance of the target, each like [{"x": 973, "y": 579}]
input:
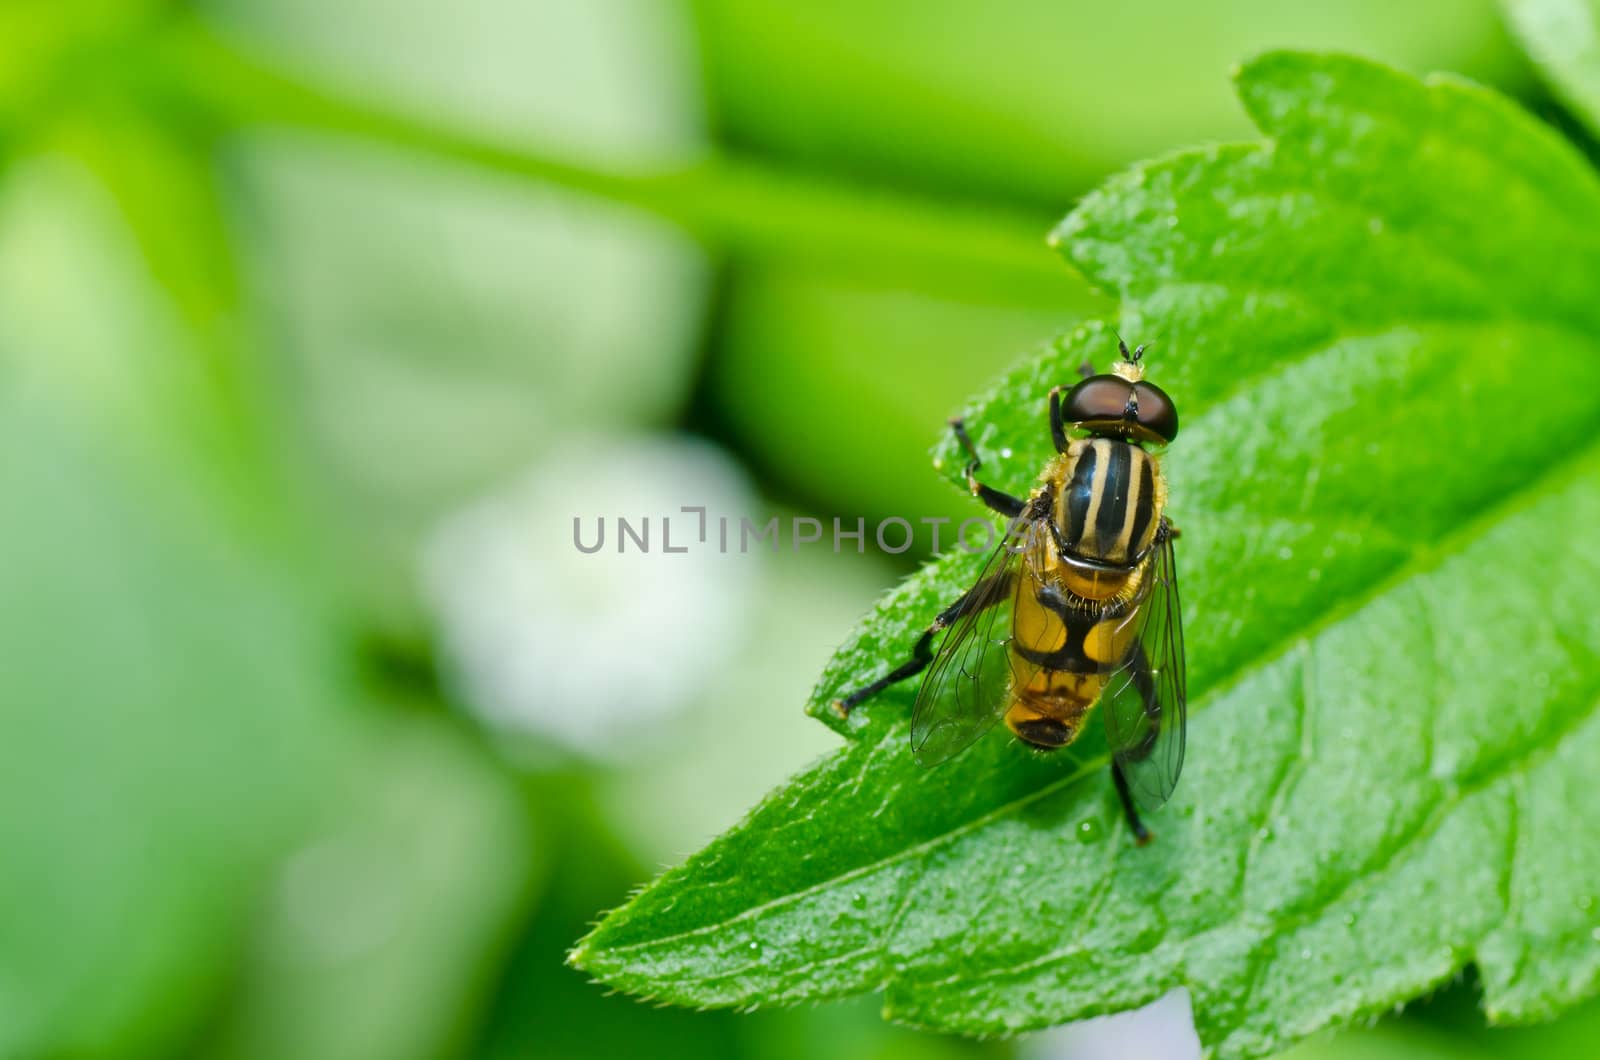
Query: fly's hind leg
[
  {"x": 1141, "y": 834},
  {"x": 1004, "y": 503},
  {"x": 987, "y": 593},
  {"x": 1144, "y": 684}
]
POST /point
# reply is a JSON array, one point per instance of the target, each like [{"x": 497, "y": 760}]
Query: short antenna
[{"x": 1122, "y": 347}]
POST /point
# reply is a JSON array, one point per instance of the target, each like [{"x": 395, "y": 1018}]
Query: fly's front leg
[
  {"x": 1004, "y": 503},
  {"x": 1058, "y": 427},
  {"x": 987, "y": 593}
]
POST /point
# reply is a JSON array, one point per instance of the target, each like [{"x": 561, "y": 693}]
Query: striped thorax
[{"x": 1109, "y": 496}]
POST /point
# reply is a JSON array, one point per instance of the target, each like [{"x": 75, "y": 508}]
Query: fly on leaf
[{"x": 1076, "y": 607}]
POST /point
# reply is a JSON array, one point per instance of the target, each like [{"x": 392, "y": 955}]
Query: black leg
[
  {"x": 1141, "y": 834},
  {"x": 1086, "y": 369},
  {"x": 1004, "y": 503},
  {"x": 987, "y": 593},
  {"x": 1058, "y": 430}
]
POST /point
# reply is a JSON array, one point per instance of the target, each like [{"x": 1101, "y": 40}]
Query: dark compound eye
[
  {"x": 1109, "y": 404},
  {"x": 1157, "y": 413},
  {"x": 1098, "y": 399}
]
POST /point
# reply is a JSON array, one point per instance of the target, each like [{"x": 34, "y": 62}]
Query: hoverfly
[{"x": 1077, "y": 605}]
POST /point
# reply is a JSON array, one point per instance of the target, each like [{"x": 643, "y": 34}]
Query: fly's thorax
[{"x": 1109, "y": 496}]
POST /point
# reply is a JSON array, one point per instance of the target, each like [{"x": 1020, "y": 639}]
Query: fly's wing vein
[{"x": 968, "y": 685}]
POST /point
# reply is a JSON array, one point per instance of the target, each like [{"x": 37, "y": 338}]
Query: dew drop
[
  {"x": 755, "y": 947},
  {"x": 1005, "y": 454},
  {"x": 858, "y": 900},
  {"x": 1089, "y": 830}
]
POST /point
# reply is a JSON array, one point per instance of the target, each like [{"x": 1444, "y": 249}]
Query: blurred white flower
[
  {"x": 1163, "y": 1030},
  {"x": 594, "y": 651}
]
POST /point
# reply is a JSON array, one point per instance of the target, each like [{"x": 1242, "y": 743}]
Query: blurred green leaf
[
  {"x": 735, "y": 204},
  {"x": 1034, "y": 99},
  {"x": 1346, "y": 314},
  {"x": 171, "y": 684},
  {"x": 442, "y": 325},
  {"x": 1392, "y": 1041},
  {"x": 165, "y": 722},
  {"x": 385, "y": 928},
  {"x": 1563, "y": 37}
]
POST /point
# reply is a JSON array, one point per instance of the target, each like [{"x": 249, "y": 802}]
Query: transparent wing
[
  {"x": 1146, "y": 702},
  {"x": 968, "y": 685}
]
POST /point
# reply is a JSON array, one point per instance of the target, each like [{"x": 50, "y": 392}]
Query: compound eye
[
  {"x": 1157, "y": 413},
  {"x": 1098, "y": 399}
]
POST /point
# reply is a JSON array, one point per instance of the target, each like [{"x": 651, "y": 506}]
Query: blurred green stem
[{"x": 733, "y": 205}]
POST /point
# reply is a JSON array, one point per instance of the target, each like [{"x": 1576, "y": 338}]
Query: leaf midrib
[{"x": 1554, "y": 475}]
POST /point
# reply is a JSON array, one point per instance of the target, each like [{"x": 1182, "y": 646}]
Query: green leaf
[
  {"x": 1379, "y": 325},
  {"x": 1563, "y": 37}
]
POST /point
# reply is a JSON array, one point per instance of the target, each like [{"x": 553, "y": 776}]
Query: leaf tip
[
  {"x": 1264, "y": 77},
  {"x": 1278, "y": 84}
]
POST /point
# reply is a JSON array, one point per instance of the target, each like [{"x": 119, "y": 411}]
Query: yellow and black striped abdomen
[
  {"x": 1062, "y": 648},
  {"x": 1109, "y": 497}
]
